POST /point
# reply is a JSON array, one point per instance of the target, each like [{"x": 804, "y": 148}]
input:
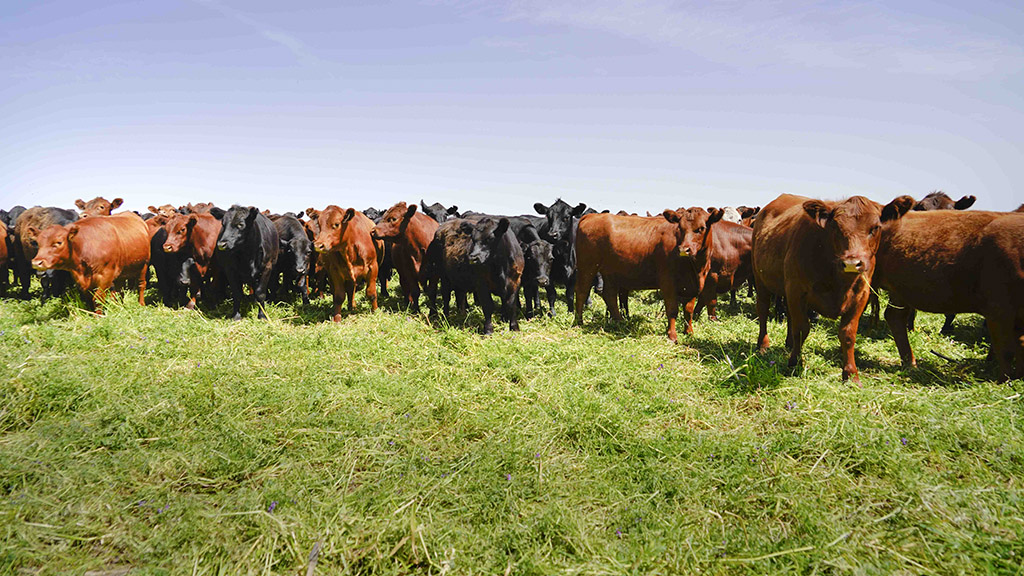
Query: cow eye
[
  {"x": 336, "y": 225},
  {"x": 873, "y": 230},
  {"x": 700, "y": 230},
  {"x": 240, "y": 226}
]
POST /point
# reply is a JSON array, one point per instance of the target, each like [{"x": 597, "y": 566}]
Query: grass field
[{"x": 179, "y": 443}]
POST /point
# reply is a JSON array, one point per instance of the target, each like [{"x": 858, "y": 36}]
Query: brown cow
[
  {"x": 950, "y": 262},
  {"x": 3, "y": 254},
  {"x": 730, "y": 265},
  {"x": 1020, "y": 208},
  {"x": 166, "y": 210},
  {"x": 820, "y": 256},
  {"x": 671, "y": 253},
  {"x": 349, "y": 254},
  {"x": 26, "y": 233},
  {"x": 99, "y": 252},
  {"x": 194, "y": 239},
  {"x": 98, "y": 206},
  {"x": 410, "y": 233}
]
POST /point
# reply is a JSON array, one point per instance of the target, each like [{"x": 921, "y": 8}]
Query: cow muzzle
[
  {"x": 222, "y": 246},
  {"x": 168, "y": 248},
  {"x": 38, "y": 264},
  {"x": 853, "y": 266}
]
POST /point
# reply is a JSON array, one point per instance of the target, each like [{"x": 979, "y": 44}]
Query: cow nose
[
  {"x": 686, "y": 251},
  {"x": 167, "y": 248},
  {"x": 222, "y": 246},
  {"x": 853, "y": 265},
  {"x": 319, "y": 247},
  {"x": 37, "y": 264}
]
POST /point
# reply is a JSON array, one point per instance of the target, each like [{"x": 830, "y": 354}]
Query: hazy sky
[{"x": 496, "y": 104}]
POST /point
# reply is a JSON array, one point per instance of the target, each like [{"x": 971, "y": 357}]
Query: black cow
[
  {"x": 481, "y": 256},
  {"x": 292, "y": 269},
  {"x": 538, "y": 260},
  {"x": 247, "y": 249},
  {"x": 387, "y": 265},
  {"x": 28, "y": 224},
  {"x": 939, "y": 200},
  {"x": 559, "y": 228},
  {"x": 439, "y": 212}
]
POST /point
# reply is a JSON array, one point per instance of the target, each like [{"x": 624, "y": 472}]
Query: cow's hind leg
[{"x": 764, "y": 303}]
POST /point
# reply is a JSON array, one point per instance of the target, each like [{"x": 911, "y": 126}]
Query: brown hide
[
  {"x": 819, "y": 255},
  {"x": 98, "y": 251},
  {"x": 671, "y": 253}
]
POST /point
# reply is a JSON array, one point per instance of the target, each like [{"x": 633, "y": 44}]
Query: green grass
[{"x": 180, "y": 443}]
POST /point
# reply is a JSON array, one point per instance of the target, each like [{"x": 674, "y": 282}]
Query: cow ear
[
  {"x": 410, "y": 211},
  {"x": 606, "y": 211},
  {"x": 116, "y": 202},
  {"x": 466, "y": 228},
  {"x": 423, "y": 205},
  {"x": 453, "y": 211},
  {"x": 716, "y": 215},
  {"x": 80, "y": 204},
  {"x": 72, "y": 232},
  {"x": 671, "y": 215},
  {"x": 711, "y": 209},
  {"x": 349, "y": 214},
  {"x": 217, "y": 213},
  {"x": 312, "y": 213},
  {"x": 897, "y": 208},
  {"x": 502, "y": 228},
  {"x": 649, "y": 214},
  {"x": 540, "y": 208},
  {"x": 298, "y": 214},
  {"x": 32, "y": 231},
  {"x": 818, "y": 211},
  {"x": 253, "y": 213},
  {"x": 153, "y": 209},
  {"x": 266, "y": 212},
  {"x": 579, "y": 209},
  {"x": 964, "y": 203},
  {"x": 192, "y": 219}
]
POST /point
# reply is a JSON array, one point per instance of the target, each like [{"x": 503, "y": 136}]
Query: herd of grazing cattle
[{"x": 807, "y": 256}]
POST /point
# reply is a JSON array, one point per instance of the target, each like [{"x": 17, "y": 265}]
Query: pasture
[{"x": 175, "y": 442}]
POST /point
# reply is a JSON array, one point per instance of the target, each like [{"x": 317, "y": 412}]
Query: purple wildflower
[
  {"x": 508, "y": 477},
  {"x": 618, "y": 533},
  {"x": 903, "y": 441},
  {"x": 272, "y": 506}
]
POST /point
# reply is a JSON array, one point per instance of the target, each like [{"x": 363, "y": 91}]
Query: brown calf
[
  {"x": 950, "y": 262},
  {"x": 193, "y": 236},
  {"x": 820, "y": 256},
  {"x": 730, "y": 265},
  {"x": 671, "y": 253},
  {"x": 98, "y": 251},
  {"x": 349, "y": 254},
  {"x": 410, "y": 234},
  {"x": 98, "y": 206}
]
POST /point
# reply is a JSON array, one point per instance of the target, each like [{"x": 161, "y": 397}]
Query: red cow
[
  {"x": 820, "y": 256},
  {"x": 671, "y": 253},
  {"x": 410, "y": 233},
  {"x": 349, "y": 254},
  {"x": 730, "y": 265},
  {"x": 193, "y": 237},
  {"x": 98, "y": 206},
  {"x": 950, "y": 262},
  {"x": 3, "y": 253},
  {"x": 99, "y": 252},
  {"x": 166, "y": 210}
]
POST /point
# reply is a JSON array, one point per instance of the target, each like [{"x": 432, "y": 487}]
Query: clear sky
[{"x": 493, "y": 105}]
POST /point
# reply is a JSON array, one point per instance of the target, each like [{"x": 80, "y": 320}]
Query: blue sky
[{"x": 493, "y": 105}]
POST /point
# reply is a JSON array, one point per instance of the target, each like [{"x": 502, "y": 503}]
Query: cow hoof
[{"x": 236, "y": 317}]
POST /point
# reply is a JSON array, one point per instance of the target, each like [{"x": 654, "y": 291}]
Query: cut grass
[{"x": 178, "y": 443}]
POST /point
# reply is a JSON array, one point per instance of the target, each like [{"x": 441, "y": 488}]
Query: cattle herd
[{"x": 804, "y": 255}]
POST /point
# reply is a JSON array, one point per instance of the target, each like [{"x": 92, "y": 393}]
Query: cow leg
[
  {"x": 764, "y": 303},
  {"x": 799, "y": 326},
  {"x": 303, "y": 285},
  {"x": 688, "y": 316},
  {"x": 1001, "y": 333},
  {"x": 668, "y": 293},
  {"x": 350, "y": 294},
  {"x": 848, "y": 324},
  {"x": 875, "y": 308},
  {"x": 484, "y": 300},
  {"x": 512, "y": 304},
  {"x": 624, "y": 302},
  {"x": 713, "y": 309},
  {"x": 898, "y": 317},
  {"x": 947, "y": 326},
  {"x": 911, "y": 317},
  {"x": 236, "y": 298},
  {"x": 610, "y": 295},
  {"x": 142, "y": 273},
  {"x": 530, "y": 292},
  {"x": 579, "y": 286},
  {"x": 371, "y": 288}
]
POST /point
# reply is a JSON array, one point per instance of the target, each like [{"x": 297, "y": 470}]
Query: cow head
[
  {"x": 333, "y": 223},
  {"x": 693, "y": 234},
  {"x": 373, "y": 214},
  {"x": 939, "y": 200},
  {"x": 394, "y": 222},
  {"x": 54, "y": 250},
  {"x": 438, "y": 212},
  {"x": 97, "y": 206},
  {"x": 236, "y": 226},
  {"x": 854, "y": 226},
  {"x": 539, "y": 258},
  {"x": 558, "y": 228},
  {"x": 178, "y": 227},
  {"x": 486, "y": 235},
  {"x": 166, "y": 210},
  {"x": 748, "y": 211}
]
